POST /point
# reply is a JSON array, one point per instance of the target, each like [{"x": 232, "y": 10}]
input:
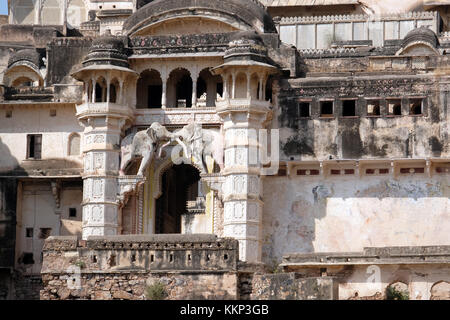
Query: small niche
[{"x": 112, "y": 260}]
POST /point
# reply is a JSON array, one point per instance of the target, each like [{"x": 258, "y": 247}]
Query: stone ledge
[{"x": 372, "y": 255}]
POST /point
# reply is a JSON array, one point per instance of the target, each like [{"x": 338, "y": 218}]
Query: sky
[{"x": 3, "y": 6}]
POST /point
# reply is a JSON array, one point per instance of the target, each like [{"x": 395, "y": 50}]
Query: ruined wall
[
  {"x": 287, "y": 286},
  {"x": 420, "y": 272},
  {"x": 122, "y": 267},
  {"x": 347, "y": 213}
]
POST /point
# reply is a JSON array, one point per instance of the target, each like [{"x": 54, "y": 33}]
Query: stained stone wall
[{"x": 122, "y": 267}]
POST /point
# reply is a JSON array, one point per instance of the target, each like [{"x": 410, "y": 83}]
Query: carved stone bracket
[
  {"x": 214, "y": 181},
  {"x": 128, "y": 185}
]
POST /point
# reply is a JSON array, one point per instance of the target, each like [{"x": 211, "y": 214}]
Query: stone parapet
[
  {"x": 372, "y": 256},
  {"x": 123, "y": 267}
]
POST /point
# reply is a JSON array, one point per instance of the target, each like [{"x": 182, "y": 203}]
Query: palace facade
[{"x": 315, "y": 137}]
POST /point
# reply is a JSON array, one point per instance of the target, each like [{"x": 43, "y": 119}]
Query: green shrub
[
  {"x": 156, "y": 291},
  {"x": 393, "y": 294}
]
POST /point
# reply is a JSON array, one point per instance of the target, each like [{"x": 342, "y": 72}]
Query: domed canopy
[
  {"x": 246, "y": 48},
  {"x": 107, "y": 50},
  {"x": 422, "y": 34},
  {"x": 106, "y": 53},
  {"x": 420, "y": 42},
  {"x": 239, "y": 14},
  {"x": 29, "y": 57}
]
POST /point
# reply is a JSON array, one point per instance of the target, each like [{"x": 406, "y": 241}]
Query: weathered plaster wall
[
  {"x": 37, "y": 120},
  {"x": 308, "y": 214},
  {"x": 362, "y": 136}
]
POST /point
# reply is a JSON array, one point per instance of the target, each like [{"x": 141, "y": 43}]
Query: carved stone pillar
[
  {"x": 103, "y": 123},
  {"x": 243, "y": 118},
  {"x": 101, "y": 169}
]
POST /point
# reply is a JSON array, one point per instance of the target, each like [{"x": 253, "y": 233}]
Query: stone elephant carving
[
  {"x": 145, "y": 144},
  {"x": 200, "y": 143}
]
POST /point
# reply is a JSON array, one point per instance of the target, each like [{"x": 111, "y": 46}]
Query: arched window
[{"x": 74, "y": 144}]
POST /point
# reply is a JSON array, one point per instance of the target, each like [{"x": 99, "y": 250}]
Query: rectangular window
[
  {"x": 326, "y": 109},
  {"x": 34, "y": 146},
  {"x": 29, "y": 232},
  {"x": 349, "y": 108},
  {"x": 415, "y": 107},
  {"x": 27, "y": 258},
  {"x": 373, "y": 108},
  {"x": 45, "y": 233},
  {"x": 304, "y": 109},
  {"x": 395, "y": 107},
  {"x": 72, "y": 212}
]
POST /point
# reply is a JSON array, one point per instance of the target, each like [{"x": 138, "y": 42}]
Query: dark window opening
[
  {"x": 349, "y": 108},
  {"x": 8, "y": 114},
  {"x": 154, "y": 96},
  {"x": 28, "y": 258},
  {"x": 34, "y": 145},
  {"x": 349, "y": 171},
  {"x": 373, "y": 108},
  {"x": 72, "y": 212},
  {"x": 29, "y": 232},
  {"x": 112, "y": 93},
  {"x": 335, "y": 172},
  {"x": 383, "y": 171},
  {"x": 370, "y": 171},
  {"x": 201, "y": 87},
  {"x": 304, "y": 109},
  {"x": 220, "y": 89},
  {"x": 98, "y": 93},
  {"x": 52, "y": 113},
  {"x": 415, "y": 107},
  {"x": 326, "y": 108},
  {"x": 184, "y": 92},
  {"x": 45, "y": 233},
  {"x": 395, "y": 107}
]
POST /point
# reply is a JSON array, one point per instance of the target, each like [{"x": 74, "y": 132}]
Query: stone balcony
[
  {"x": 86, "y": 110},
  {"x": 176, "y": 116},
  {"x": 243, "y": 104}
]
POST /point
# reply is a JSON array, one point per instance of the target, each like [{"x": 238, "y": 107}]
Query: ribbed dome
[
  {"x": 249, "y": 12},
  {"x": 27, "y": 56},
  {"x": 107, "y": 50},
  {"x": 247, "y": 37},
  {"x": 246, "y": 46},
  {"x": 423, "y": 34}
]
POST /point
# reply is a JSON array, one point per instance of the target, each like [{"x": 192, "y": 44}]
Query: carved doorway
[{"x": 179, "y": 185}]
